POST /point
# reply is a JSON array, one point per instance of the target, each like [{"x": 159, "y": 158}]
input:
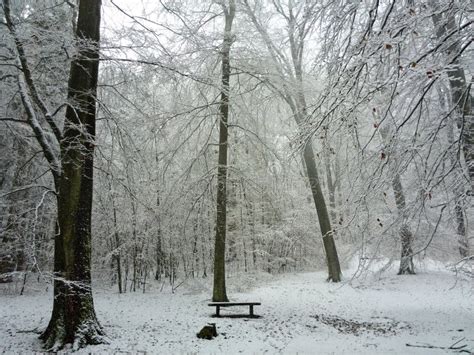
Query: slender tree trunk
[
  {"x": 331, "y": 188},
  {"x": 251, "y": 218},
  {"x": 334, "y": 268},
  {"x": 219, "y": 291},
  {"x": 245, "y": 256},
  {"x": 159, "y": 249},
  {"x": 299, "y": 108},
  {"x": 195, "y": 264},
  {"x": 203, "y": 252},
  {"x": 332, "y": 258},
  {"x": 158, "y": 257},
  {"x": 242, "y": 229},
  {"x": 458, "y": 189},
  {"x": 7, "y": 179},
  {"x": 73, "y": 318},
  {"x": 463, "y": 244},
  {"x": 406, "y": 236},
  {"x": 117, "y": 252},
  {"x": 445, "y": 23},
  {"x": 125, "y": 281},
  {"x": 145, "y": 273}
]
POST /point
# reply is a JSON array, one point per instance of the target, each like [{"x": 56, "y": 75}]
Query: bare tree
[
  {"x": 219, "y": 290},
  {"x": 299, "y": 18},
  {"x": 446, "y": 27}
]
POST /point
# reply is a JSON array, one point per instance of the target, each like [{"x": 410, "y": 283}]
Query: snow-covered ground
[{"x": 301, "y": 313}]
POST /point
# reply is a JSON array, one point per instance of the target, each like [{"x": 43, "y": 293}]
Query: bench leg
[
  {"x": 251, "y": 310},
  {"x": 218, "y": 311}
]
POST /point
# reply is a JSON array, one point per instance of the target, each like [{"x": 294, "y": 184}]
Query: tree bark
[
  {"x": 334, "y": 268},
  {"x": 293, "y": 94},
  {"x": 117, "y": 252},
  {"x": 332, "y": 258},
  {"x": 73, "y": 318},
  {"x": 458, "y": 188},
  {"x": 331, "y": 188},
  {"x": 445, "y": 23},
  {"x": 158, "y": 247},
  {"x": 219, "y": 290},
  {"x": 406, "y": 236}
]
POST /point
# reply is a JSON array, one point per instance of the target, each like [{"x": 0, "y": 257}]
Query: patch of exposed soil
[{"x": 349, "y": 326}]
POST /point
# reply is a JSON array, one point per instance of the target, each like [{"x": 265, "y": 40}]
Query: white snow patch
[{"x": 433, "y": 307}]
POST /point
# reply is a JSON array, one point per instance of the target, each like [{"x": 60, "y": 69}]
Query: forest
[{"x": 315, "y": 157}]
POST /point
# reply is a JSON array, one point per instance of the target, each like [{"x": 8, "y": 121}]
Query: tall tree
[
  {"x": 406, "y": 236},
  {"x": 73, "y": 318},
  {"x": 458, "y": 188},
  {"x": 299, "y": 23},
  {"x": 219, "y": 290},
  {"x": 446, "y": 26}
]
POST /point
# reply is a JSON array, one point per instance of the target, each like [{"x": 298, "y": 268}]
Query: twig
[
  {"x": 174, "y": 288},
  {"x": 35, "y": 330},
  {"x": 454, "y": 346}
]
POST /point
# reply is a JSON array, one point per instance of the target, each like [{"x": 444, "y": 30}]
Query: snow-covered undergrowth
[{"x": 301, "y": 313}]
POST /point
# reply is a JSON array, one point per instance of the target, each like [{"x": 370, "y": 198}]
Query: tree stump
[{"x": 208, "y": 332}]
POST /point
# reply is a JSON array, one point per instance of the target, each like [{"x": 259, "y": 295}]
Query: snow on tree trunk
[
  {"x": 406, "y": 236},
  {"x": 458, "y": 188},
  {"x": 73, "y": 319},
  {"x": 445, "y": 25},
  {"x": 334, "y": 268},
  {"x": 219, "y": 290}
]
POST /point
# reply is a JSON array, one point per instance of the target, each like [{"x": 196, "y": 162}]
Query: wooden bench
[{"x": 218, "y": 306}]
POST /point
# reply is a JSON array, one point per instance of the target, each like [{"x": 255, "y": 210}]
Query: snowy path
[{"x": 299, "y": 313}]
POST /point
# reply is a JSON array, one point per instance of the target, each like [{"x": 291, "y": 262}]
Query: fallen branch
[
  {"x": 35, "y": 330},
  {"x": 454, "y": 346},
  {"x": 173, "y": 288}
]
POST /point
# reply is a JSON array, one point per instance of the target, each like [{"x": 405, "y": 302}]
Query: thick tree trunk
[
  {"x": 219, "y": 291},
  {"x": 73, "y": 319}
]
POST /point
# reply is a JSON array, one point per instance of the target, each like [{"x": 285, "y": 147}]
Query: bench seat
[{"x": 218, "y": 305}]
